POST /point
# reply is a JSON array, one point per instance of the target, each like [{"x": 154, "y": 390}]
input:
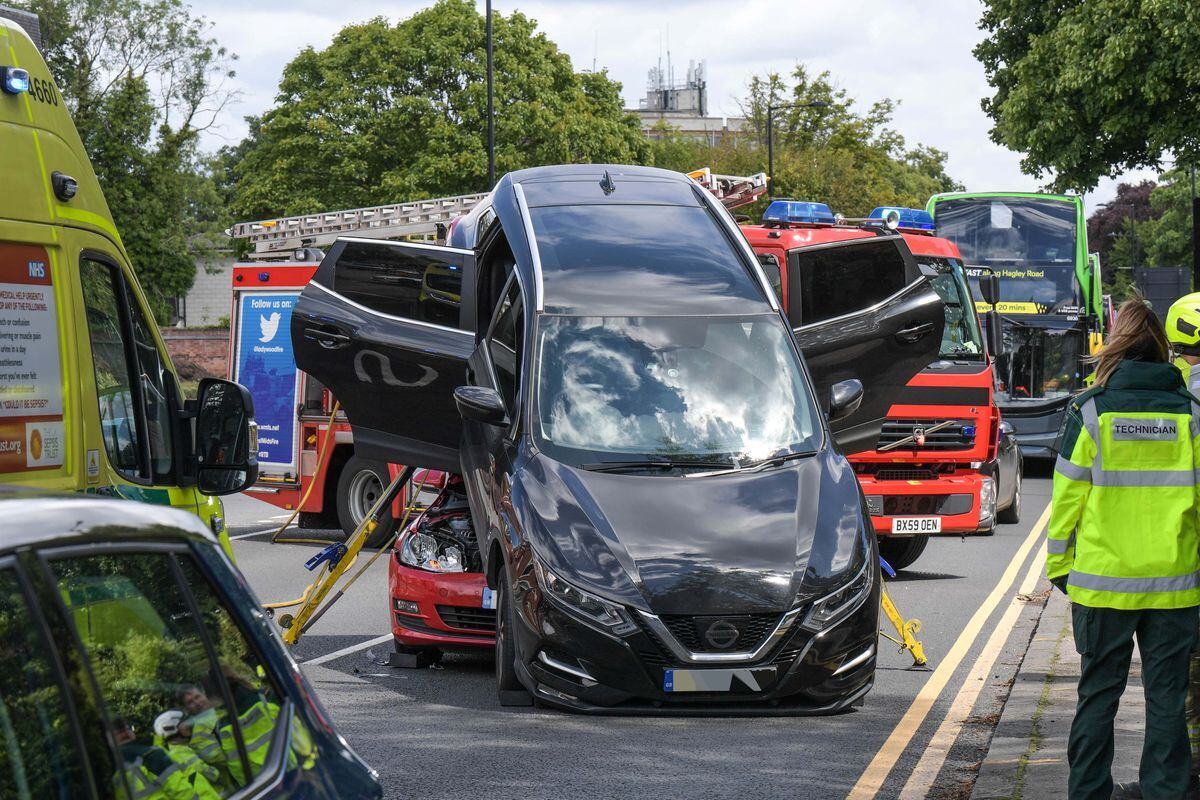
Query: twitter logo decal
[{"x": 269, "y": 325}]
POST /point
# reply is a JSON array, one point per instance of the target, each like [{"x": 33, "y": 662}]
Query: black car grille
[
  {"x": 468, "y": 618},
  {"x": 752, "y": 629},
  {"x": 958, "y": 435}
]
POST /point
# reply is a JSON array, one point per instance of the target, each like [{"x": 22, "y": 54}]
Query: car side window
[
  {"x": 504, "y": 344},
  {"x": 846, "y": 279},
  {"x": 408, "y": 282},
  {"x": 770, "y": 268},
  {"x": 190, "y": 708},
  {"x": 41, "y": 753},
  {"x": 118, "y": 363}
]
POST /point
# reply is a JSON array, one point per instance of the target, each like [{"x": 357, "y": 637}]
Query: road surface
[{"x": 440, "y": 733}]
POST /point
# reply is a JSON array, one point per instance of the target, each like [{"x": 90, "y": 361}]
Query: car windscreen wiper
[
  {"x": 662, "y": 464},
  {"x": 762, "y": 463}
]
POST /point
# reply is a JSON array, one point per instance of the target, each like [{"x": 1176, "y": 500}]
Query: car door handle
[
  {"x": 330, "y": 340},
  {"x": 915, "y": 333}
]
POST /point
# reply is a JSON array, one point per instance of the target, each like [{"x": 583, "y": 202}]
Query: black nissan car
[{"x": 657, "y": 497}]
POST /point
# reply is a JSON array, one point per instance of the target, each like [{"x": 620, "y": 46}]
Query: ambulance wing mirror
[{"x": 226, "y": 438}]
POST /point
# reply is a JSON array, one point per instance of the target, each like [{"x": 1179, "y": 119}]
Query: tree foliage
[
  {"x": 1113, "y": 220},
  {"x": 391, "y": 112},
  {"x": 142, "y": 79},
  {"x": 1093, "y": 88},
  {"x": 824, "y": 148}
]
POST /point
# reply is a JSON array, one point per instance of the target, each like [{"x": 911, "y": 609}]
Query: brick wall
[{"x": 198, "y": 353}]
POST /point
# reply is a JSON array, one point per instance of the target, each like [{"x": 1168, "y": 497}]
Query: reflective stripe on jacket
[
  {"x": 1123, "y": 523},
  {"x": 193, "y": 765}
]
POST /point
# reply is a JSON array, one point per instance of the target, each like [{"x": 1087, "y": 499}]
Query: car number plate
[
  {"x": 917, "y": 525},
  {"x": 489, "y": 599},
  {"x": 745, "y": 680}
]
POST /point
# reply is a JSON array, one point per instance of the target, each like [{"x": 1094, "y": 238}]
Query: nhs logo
[{"x": 37, "y": 269}]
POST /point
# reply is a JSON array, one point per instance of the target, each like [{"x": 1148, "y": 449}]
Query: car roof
[
  {"x": 618, "y": 240},
  {"x": 33, "y": 519}
]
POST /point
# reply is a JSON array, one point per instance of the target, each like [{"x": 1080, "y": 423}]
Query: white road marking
[
  {"x": 251, "y": 533},
  {"x": 345, "y": 651},
  {"x": 873, "y": 777},
  {"x": 927, "y": 769}
]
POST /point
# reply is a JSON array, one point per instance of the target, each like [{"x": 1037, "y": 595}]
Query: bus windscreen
[{"x": 1030, "y": 243}]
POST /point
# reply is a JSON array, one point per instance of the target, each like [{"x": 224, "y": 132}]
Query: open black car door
[
  {"x": 865, "y": 311},
  {"x": 388, "y": 328}
]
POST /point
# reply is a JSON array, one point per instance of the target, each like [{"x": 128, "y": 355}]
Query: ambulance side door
[{"x": 130, "y": 396}]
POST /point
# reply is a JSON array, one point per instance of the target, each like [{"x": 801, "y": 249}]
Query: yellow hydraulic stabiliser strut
[
  {"x": 907, "y": 630},
  {"x": 335, "y": 560}
]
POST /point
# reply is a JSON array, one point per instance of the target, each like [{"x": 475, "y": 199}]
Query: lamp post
[
  {"x": 771, "y": 139},
  {"x": 491, "y": 117}
]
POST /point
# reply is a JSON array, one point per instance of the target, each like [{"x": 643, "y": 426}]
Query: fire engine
[{"x": 944, "y": 463}]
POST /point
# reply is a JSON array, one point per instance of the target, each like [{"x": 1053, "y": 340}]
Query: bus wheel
[
  {"x": 901, "y": 552},
  {"x": 360, "y": 484}
]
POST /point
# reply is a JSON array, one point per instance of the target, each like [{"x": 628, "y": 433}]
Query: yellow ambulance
[{"x": 89, "y": 399}]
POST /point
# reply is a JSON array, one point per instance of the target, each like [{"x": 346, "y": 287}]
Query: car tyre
[
  {"x": 360, "y": 484},
  {"x": 1012, "y": 514},
  {"x": 508, "y": 685},
  {"x": 902, "y": 552}
]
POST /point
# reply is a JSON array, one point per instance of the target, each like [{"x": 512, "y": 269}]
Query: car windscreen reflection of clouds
[{"x": 673, "y": 387}]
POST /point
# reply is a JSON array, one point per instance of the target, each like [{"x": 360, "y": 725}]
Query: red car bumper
[
  {"x": 449, "y": 608},
  {"x": 954, "y": 498}
]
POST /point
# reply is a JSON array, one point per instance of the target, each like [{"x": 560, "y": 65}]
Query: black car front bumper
[{"x": 626, "y": 675}]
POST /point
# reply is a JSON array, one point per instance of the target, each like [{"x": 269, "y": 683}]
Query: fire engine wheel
[
  {"x": 902, "y": 552},
  {"x": 359, "y": 486},
  {"x": 1012, "y": 514}
]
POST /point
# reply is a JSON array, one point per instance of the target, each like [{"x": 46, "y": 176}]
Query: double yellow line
[{"x": 872, "y": 779}]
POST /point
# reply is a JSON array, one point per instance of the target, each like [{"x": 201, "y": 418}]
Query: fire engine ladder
[{"x": 273, "y": 238}]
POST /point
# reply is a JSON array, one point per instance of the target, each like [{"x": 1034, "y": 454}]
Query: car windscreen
[{"x": 713, "y": 389}]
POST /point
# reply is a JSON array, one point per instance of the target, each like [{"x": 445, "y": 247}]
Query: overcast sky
[{"x": 918, "y": 53}]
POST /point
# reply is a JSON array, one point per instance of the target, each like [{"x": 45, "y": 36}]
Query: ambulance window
[
  {"x": 152, "y": 371},
  {"x": 118, "y": 421},
  {"x": 42, "y": 757},
  {"x": 118, "y": 362}
]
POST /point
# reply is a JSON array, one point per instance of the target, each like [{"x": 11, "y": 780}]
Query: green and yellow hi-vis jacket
[
  {"x": 1124, "y": 528},
  {"x": 1191, "y": 375}
]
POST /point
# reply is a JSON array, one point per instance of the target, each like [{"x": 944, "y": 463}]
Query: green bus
[{"x": 1050, "y": 303}]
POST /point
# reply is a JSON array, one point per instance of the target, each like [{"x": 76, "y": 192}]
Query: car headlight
[
  {"x": 836, "y": 606},
  {"x": 426, "y": 552},
  {"x": 600, "y": 612}
]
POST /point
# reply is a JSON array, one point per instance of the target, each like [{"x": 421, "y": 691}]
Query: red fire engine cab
[{"x": 944, "y": 462}]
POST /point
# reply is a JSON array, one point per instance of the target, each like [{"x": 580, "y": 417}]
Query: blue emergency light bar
[
  {"x": 14, "y": 80},
  {"x": 785, "y": 211},
  {"x": 913, "y": 219}
]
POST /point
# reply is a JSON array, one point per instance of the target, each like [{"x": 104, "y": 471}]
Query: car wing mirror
[
  {"x": 844, "y": 398},
  {"x": 480, "y": 404},
  {"x": 226, "y": 438}
]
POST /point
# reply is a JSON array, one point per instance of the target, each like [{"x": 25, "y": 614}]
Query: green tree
[
  {"x": 143, "y": 79},
  {"x": 1089, "y": 88},
  {"x": 394, "y": 112},
  {"x": 824, "y": 149}
]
